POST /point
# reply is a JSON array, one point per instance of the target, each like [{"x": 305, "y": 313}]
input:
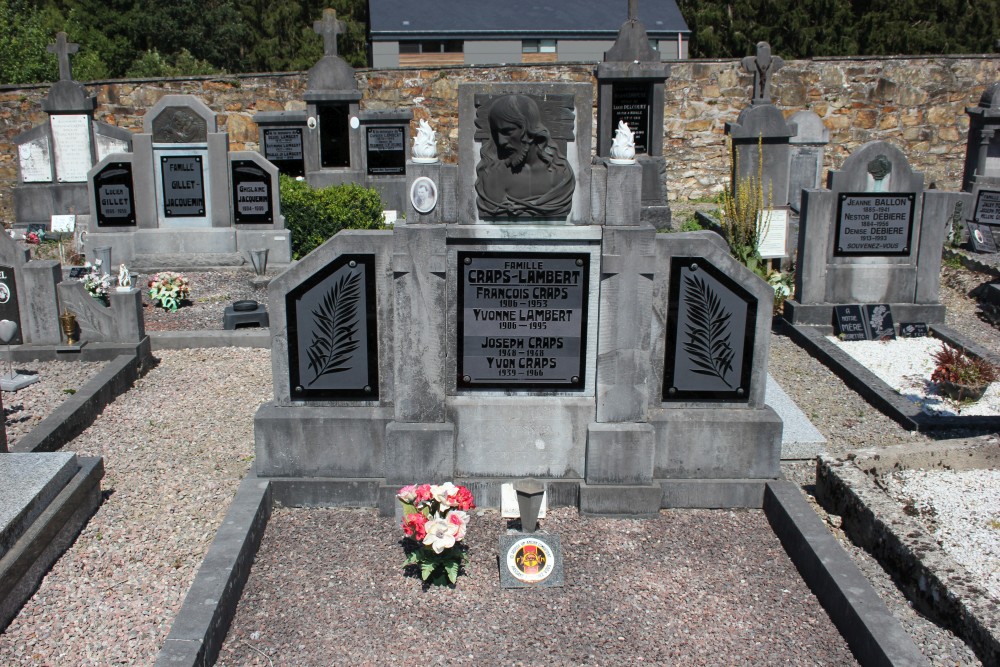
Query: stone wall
[{"x": 916, "y": 103}]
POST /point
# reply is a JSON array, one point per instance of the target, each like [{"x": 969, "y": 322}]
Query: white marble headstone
[
  {"x": 35, "y": 161},
  {"x": 71, "y": 135}
]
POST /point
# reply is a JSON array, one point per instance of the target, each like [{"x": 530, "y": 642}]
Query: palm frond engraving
[
  {"x": 707, "y": 329},
  {"x": 335, "y": 325}
]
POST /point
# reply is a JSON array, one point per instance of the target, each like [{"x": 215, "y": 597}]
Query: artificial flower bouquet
[
  {"x": 435, "y": 517},
  {"x": 96, "y": 282},
  {"x": 168, "y": 289}
]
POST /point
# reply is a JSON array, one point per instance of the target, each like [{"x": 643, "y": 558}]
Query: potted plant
[
  {"x": 961, "y": 376},
  {"x": 435, "y": 518}
]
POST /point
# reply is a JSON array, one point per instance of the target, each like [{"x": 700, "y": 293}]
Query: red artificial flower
[
  {"x": 424, "y": 493},
  {"x": 413, "y": 525},
  {"x": 462, "y": 500}
]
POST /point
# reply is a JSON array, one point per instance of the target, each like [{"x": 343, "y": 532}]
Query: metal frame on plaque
[
  {"x": 344, "y": 325},
  {"x": 520, "y": 334}
]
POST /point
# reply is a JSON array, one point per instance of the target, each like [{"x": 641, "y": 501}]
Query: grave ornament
[
  {"x": 762, "y": 66},
  {"x": 124, "y": 278},
  {"x": 425, "y": 144},
  {"x": 623, "y": 145},
  {"x": 522, "y": 171}
]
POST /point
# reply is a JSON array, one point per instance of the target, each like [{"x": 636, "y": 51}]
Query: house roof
[{"x": 506, "y": 19}]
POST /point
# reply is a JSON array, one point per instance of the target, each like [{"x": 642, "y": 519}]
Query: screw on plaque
[
  {"x": 672, "y": 391},
  {"x": 368, "y": 389},
  {"x": 739, "y": 391},
  {"x": 352, "y": 263},
  {"x": 575, "y": 378},
  {"x": 579, "y": 262},
  {"x": 466, "y": 378},
  {"x": 468, "y": 260},
  {"x": 694, "y": 266}
]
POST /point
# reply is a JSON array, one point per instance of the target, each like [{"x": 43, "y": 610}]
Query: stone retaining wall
[{"x": 916, "y": 103}]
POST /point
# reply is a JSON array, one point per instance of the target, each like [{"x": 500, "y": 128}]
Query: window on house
[
  {"x": 538, "y": 46},
  {"x": 433, "y": 46}
]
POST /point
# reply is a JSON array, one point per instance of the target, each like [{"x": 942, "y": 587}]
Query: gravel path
[
  {"x": 690, "y": 588},
  {"x": 174, "y": 456}
]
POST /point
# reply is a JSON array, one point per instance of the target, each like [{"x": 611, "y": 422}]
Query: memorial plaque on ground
[
  {"x": 874, "y": 224},
  {"x": 913, "y": 329},
  {"x": 878, "y": 318},
  {"x": 9, "y": 309},
  {"x": 850, "y": 324},
  {"x": 114, "y": 190},
  {"x": 386, "y": 151},
  {"x": 332, "y": 332},
  {"x": 252, "y": 194},
  {"x": 709, "y": 347},
  {"x": 981, "y": 237},
  {"x": 522, "y": 320},
  {"x": 987, "y": 207},
  {"x": 183, "y": 186},
  {"x": 283, "y": 149},
  {"x": 630, "y": 103},
  {"x": 530, "y": 560}
]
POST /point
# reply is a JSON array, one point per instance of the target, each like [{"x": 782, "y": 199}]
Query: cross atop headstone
[
  {"x": 62, "y": 48},
  {"x": 633, "y": 10},
  {"x": 762, "y": 66},
  {"x": 328, "y": 28}
]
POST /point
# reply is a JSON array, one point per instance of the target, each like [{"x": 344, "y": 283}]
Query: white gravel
[
  {"x": 906, "y": 365},
  {"x": 959, "y": 508}
]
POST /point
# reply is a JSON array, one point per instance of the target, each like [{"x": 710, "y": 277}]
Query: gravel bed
[
  {"x": 959, "y": 508},
  {"x": 57, "y": 380},
  {"x": 211, "y": 292},
  {"x": 689, "y": 588},
  {"x": 906, "y": 365},
  {"x": 174, "y": 456}
]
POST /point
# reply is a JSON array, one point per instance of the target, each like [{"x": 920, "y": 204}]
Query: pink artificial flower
[
  {"x": 408, "y": 494},
  {"x": 462, "y": 499},
  {"x": 459, "y": 521},
  {"x": 414, "y": 525}
]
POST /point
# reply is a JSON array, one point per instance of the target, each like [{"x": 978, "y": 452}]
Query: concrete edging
[
  {"x": 933, "y": 580},
  {"x": 51, "y": 533},
  {"x": 202, "y": 623},
  {"x": 182, "y": 340},
  {"x": 78, "y": 411},
  {"x": 880, "y": 395}
]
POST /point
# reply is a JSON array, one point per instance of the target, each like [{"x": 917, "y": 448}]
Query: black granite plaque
[
  {"x": 9, "y": 309},
  {"x": 878, "y": 318},
  {"x": 283, "y": 149},
  {"x": 334, "y": 136},
  {"x": 114, "y": 190},
  {"x": 981, "y": 238},
  {"x": 183, "y": 186},
  {"x": 386, "y": 148},
  {"x": 630, "y": 102},
  {"x": 850, "y": 323},
  {"x": 252, "y": 195},
  {"x": 913, "y": 329},
  {"x": 333, "y": 333},
  {"x": 874, "y": 224},
  {"x": 709, "y": 345},
  {"x": 987, "y": 207},
  {"x": 522, "y": 320}
]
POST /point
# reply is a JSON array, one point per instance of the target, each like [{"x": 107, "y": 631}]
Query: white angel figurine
[
  {"x": 124, "y": 278},
  {"x": 623, "y": 145}
]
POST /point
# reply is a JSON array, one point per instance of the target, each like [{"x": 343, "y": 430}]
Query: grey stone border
[
  {"x": 874, "y": 635},
  {"x": 938, "y": 585},
  {"x": 26, "y": 563},
  {"x": 883, "y": 397},
  {"x": 80, "y": 410}
]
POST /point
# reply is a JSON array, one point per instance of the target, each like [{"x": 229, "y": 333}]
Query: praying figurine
[
  {"x": 124, "y": 278},
  {"x": 623, "y": 145},
  {"x": 425, "y": 143}
]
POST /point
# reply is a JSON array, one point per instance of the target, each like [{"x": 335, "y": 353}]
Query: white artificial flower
[
  {"x": 440, "y": 535},
  {"x": 441, "y": 493}
]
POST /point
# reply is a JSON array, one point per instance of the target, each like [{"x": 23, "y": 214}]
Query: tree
[{"x": 23, "y": 58}]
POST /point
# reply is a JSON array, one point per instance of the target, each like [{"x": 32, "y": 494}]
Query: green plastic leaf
[
  {"x": 426, "y": 569},
  {"x": 452, "y": 569}
]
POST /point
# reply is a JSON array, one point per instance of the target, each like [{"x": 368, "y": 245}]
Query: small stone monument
[{"x": 530, "y": 559}]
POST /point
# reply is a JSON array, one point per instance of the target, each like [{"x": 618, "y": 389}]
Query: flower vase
[{"x": 961, "y": 392}]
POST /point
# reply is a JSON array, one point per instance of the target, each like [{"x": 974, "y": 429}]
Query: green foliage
[
  {"x": 313, "y": 216},
  {"x": 152, "y": 64},
  {"x": 691, "y": 225},
  {"x": 740, "y": 216},
  {"x": 23, "y": 58}
]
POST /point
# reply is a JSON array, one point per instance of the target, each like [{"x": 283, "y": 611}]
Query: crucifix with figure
[
  {"x": 328, "y": 28},
  {"x": 762, "y": 66},
  {"x": 62, "y": 48}
]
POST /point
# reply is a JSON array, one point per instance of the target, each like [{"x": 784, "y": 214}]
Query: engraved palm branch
[
  {"x": 707, "y": 330},
  {"x": 335, "y": 324}
]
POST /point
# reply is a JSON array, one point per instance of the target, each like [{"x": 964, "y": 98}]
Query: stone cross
[
  {"x": 633, "y": 10},
  {"x": 328, "y": 29},
  {"x": 762, "y": 66},
  {"x": 62, "y": 49}
]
